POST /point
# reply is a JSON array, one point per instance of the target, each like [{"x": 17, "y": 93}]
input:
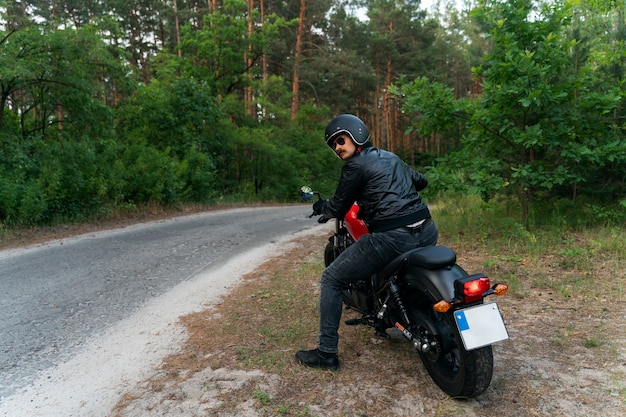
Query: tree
[
  {"x": 538, "y": 128},
  {"x": 224, "y": 51},
  {"x": 534, "y": 115},
  {"x": 53, "y": 79},
  {"x": 400, "y": 36}
]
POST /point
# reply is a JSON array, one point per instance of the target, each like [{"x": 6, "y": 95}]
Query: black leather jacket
[{"x": 385, "y": 188}]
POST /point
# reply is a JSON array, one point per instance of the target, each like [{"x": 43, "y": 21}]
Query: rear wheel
[{"x": 458, "y": 372}]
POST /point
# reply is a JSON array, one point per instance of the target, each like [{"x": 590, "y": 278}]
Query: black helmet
[{"x": 350, "y": 125}]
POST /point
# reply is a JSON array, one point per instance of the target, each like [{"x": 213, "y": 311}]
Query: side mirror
[{"x": 307, "y": 193}]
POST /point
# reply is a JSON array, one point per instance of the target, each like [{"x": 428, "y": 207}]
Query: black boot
[{"x": 318, "y": 359}]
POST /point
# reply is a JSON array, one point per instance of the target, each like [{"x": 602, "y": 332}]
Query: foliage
[
  {"x": 177, "y": 116},
  {"x": 151, "y": 177},
  {"x": 275, "y": 161},
  {"x": 117, "y": 104},
  {"x": 20, "y": 199},
  {"x": 213, "y": 52},
  {"x": 538, "y": 131},
  {"x": 50, "y": 80}
]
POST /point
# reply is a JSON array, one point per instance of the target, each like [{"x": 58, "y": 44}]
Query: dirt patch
[{"x": 566, "y": 355}]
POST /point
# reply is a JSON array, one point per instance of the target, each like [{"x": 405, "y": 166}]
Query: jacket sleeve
[
  {"x": 347, "y": 191},
  {"x": 419, "y": 180}
]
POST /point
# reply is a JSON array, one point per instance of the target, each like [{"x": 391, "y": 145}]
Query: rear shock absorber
[
  {"x": 419, "y": 344},
  {"x": 395, "y": 293}
]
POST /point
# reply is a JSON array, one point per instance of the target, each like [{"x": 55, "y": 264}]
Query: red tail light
[
  {"x": 477, "y": 287},
  {"x": 473, "y": 287}
]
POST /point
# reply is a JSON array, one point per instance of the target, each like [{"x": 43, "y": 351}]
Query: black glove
[{"x": 318, "y": 207}]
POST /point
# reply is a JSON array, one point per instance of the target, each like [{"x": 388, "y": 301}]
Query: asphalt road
[{"x": 57, "y": 296}]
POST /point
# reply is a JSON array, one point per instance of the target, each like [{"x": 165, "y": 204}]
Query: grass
[
  {"x": 564, "y": 314},
  {"x": 561, "y": 259}
]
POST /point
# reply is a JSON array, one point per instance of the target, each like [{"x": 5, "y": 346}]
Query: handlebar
[{"x": 307, "y": 194}]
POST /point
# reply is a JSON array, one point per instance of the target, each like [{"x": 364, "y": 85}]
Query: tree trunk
[
  {"x": 54, "y": 14},
  {"x": 376, "y": 126},
  {"x": 387, "y": 107},
  {"x": 212, "y": 4},
  {"x": 3, "y": 102},
  {"x": 177, "y": 29},
  {"x": 248, "y": 91},
  {"x": 264, "y": 57},
  {"x": 295, "y": 86},
  {"x": 60, "y": 116}
]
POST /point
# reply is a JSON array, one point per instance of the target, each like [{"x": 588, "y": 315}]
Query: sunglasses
[{"x": 339, "y": 141}]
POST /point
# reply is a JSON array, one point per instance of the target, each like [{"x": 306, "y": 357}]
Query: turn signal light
[
  {"x": 500, "y": 289},
  {"x": 442, "y": 306}
]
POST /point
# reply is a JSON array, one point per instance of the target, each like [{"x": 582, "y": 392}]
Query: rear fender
[
  {"x": 422, "y": 289},
  {"x": 436, "y": 284}
]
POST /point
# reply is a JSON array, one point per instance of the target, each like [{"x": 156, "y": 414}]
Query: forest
[{"x": 113, "y": 105}]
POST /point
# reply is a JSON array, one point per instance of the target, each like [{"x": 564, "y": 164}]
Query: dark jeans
[{"x": 368, "y": 255}]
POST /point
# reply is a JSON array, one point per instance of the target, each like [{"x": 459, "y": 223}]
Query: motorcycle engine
[{"x": 359, "y": 296}]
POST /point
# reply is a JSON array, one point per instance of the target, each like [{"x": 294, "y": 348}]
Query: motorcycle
[{"x": 438, "y": 307}]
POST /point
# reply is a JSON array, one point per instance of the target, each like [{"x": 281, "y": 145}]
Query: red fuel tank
[{"x": 356, "y": 227}]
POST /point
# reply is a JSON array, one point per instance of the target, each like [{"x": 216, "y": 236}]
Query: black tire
[
  {"x": 458, "y": 372},
  {"x": 329, "y": 254}
]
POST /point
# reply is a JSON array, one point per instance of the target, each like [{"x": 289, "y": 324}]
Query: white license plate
[{"x": 480, "y": 325}]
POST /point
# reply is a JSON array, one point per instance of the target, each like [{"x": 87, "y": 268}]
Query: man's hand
[{"x": 318, "y": 206}]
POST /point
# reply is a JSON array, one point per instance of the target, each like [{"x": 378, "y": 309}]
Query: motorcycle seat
[{"x": 429, "y": 257}]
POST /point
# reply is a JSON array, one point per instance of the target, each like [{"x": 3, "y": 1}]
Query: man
[{"x": 387, "y": 191}]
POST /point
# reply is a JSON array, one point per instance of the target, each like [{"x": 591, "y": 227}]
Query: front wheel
[
  {"x": 458, "y": 372},
  {"x": 330, "y": 253}
]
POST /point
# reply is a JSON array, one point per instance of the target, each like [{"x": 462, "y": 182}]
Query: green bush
[
  {"x": 149, "y": 175},
  {"x": 21, "y": 201},
  {"x": 197, "y": 177}
]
